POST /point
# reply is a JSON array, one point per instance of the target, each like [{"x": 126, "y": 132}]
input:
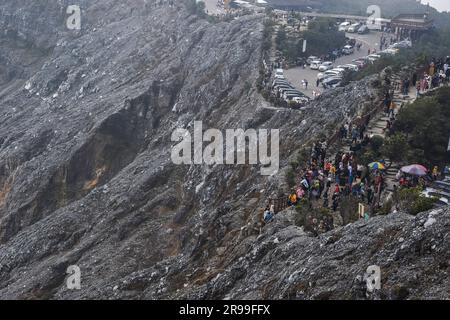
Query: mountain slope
[{"x": 86, "y": 176}]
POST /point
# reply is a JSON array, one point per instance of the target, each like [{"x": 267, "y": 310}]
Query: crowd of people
[
  {"x": 325, "y": 182},
  {"x": 436, "y": 75}
]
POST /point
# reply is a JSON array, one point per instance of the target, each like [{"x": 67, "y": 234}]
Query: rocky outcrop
[
  {"x": 285, "y": 263},
  {"x": 86, "y": 176}
]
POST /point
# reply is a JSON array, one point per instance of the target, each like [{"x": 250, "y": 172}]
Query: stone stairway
[
  {"x": 377, "y": 128},
  {"x": 390, "y": 175},
  {"x": 441, "y": 190}
]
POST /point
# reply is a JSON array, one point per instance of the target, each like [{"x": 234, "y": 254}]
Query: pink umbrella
[{"x": 415, "y": 170}]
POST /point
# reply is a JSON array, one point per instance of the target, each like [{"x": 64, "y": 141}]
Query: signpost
[{"x": 361, "y": 210}]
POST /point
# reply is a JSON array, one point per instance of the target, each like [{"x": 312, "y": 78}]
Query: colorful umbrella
[
  {"x": 415, "y": 170},
  {"x": 377, "y": 166}
]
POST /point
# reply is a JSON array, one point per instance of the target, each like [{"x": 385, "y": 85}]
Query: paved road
[
  {"x": 339, "y": 16},
  {"x": 296, "y": 75}
]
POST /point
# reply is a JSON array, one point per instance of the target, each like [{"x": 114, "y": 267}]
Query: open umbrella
[
  {"x": 376, "y": 166},
  {"x": 415, "y": 170}
]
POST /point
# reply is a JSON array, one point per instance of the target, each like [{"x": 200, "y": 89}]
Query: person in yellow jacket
[
  {"x": 432, "y": 70},
  {"x": 292, "y": 199},
  {"x": 435, "y": 172},
  {"x": 392, "y": 108}
]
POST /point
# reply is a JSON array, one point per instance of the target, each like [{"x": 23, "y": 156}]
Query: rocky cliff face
[
  {"x": 285, "y": 263},
  {"x": 86, "y": 176}
]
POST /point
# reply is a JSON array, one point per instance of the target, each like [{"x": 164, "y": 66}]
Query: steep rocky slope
[
  {"x": 86, "y": 176},
  {"x": 285, "y": 263}
]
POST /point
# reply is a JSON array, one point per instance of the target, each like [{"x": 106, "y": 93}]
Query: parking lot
[{"x": 296, "y": 75}]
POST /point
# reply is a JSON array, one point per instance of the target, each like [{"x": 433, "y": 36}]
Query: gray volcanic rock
[
  {"x": 285, "y": 263},
  {"x": 86, "y": 176}
]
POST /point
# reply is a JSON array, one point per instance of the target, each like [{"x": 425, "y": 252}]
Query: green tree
[
  {"x": 395, "y": 147},
  {"x": 426, "y": 124},
  {"x": 413, "y": 201},
  {"x": 281, "y": 39}
]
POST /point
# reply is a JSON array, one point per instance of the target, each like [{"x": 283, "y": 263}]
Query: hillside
[{"x": 86, "y": 176}]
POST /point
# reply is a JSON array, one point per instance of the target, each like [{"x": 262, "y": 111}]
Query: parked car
[
  {"x": 301, "y": 99},
  {"x": 293, "y": 91},
  {"x": 351, "y": 67},
  {"x": 280, "y": 81},
  {"x": 327, "y": 74},
  {"x": 391, "y": 52},
  {"x": 327, "y": 65},
  {"x": 279, "y": 74},
  {"x": 311, "y": 59},
  {"x": 348, "y": 50},
  {"x": 373, "y": 57},
  {"x": 332, "y": 82},
  {"x": 294, "y": 95},
  {"x": 341, "y": 70},
  {"x": 363, "y": 29},
  {"x": 277, "y": 88},
  {"x": 289, "y": 96},
  {"x": 283, "y": 88},
  {"x": 401, "y": 44},
  {"x": 354, "y": 28},
  {"x": 360, "y": 62},
  {"x": 315, "y": 64},
  {"x": 297, "y": 102},
  {"x": 344, "y": 26}
]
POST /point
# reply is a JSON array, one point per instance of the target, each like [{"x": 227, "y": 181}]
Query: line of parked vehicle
[
  {"x": 283, "y": 89},
  {"x": 353, "y": 27},
  {"x": 331, "y": 77}
]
